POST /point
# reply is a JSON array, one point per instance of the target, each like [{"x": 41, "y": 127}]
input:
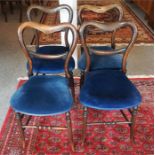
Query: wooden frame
[
  {"x": 47, "y": 30},
  {"x": 99, "y": 10},
  {"x": 50, "y": 10},
  {"x": 108, "y": 27},
  {"x": 130, "y": 122}
]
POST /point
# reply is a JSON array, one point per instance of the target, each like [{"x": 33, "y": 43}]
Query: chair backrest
[
  {"x": 108, "y": 27},
  {"x": 101, "y": 10},
  {"x": 50, "y": 10},
  {"x": 47, "y": 30}
]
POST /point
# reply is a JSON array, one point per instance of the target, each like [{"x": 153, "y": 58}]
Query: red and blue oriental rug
[{"x": 106, "y": 139}]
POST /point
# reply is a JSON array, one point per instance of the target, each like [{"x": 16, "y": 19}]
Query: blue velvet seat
[
  {"x": 109, "y": 90},
  {"x": 51, "y": 66},
  {"x": 46, "y": 99},
  {"x": 101, "y": 62}
]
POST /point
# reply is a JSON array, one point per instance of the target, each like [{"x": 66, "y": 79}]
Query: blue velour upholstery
[
  {"x": 101, "y": 62},
  {"x": 109, "y": 90},
  {"x": 43, "y": 95},
  {"x": 51, "y": 66}
]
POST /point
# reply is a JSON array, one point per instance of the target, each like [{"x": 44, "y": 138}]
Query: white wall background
[{"x": 64, "y": 18}]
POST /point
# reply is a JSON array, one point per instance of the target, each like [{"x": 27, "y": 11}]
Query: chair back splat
[
  {"x": 101, "y": 10},
  {"x": 49, "y": 10},
  {"x": 108, "y": 27},
  {"x": 47, "y": 30},
  {"x": 40, "y": 66}
]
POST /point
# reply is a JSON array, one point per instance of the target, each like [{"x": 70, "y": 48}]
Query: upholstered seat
[
  {"x": 109, "y": 90},
  {"x": 51, "y": 66},
  {"x": 45, "y": 100},
  {"x": 101, "y": 62}
]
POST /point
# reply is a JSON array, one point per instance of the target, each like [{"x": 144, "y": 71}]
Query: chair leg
[
  {"x": 41, "y": 2},
  {"x": 19, "y": 122},
  {"x": 82, "y": 79},
  {"x": 27, "y": 2},
  {"x": 133, "y": 115},
  {"x": 21, "y": 12},
  {"x": 11, "y": 7},
  {"x": 20, "y": 5},
  {"x": 27, "y": 121},
  {"x": 70, "y": 133},
  {"x": 85, "y": 113},
  {"x": 71, "y": 81},
  {"x": 3, "y": 10}
]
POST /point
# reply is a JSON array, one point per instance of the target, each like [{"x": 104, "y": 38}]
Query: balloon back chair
[
  {"x": 101, "y": 62},
  {"x": 44, "y": 95},
  {"x": 41, "y": 66},
  {"x": 109, "y": 89}
]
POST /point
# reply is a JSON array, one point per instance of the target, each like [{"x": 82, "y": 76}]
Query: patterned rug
[
  {"x": 122, "y": 36},
  {"x": 106, "y": 139}
]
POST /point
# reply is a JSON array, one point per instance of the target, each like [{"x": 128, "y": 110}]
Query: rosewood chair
[
  {"x": 44, "y": 95},
  {"x": 51, "y": 67},
  {"x": 101, "y": 62},
  {"x": 109, "y": 89}
]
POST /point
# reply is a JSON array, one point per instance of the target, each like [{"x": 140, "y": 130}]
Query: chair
[
  {"x": 41, "y": 66},
  {"x": 109, "y": 89},
  {"x": 101, "y": 62},
  {"x": 40, "y": 95}
]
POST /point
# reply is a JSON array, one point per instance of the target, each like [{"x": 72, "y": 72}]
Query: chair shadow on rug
[
  {"x": 108, "y": 89},
  {"x": 45, "y": 95}
]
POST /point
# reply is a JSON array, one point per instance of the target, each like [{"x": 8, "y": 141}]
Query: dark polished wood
[
  {"x": 108, "y": 27},
  {"x": 85, "y": 113},
  {"x": 3, "y": 10},
  {"x": 50, "y": 10},
  {"x": 69, "y": 126},
  {"x": 101, "y": 10},
  {"x": 133, "y": 115},
  {"x": 21, "y": 131},
  {"x": 47, "y": 30}
]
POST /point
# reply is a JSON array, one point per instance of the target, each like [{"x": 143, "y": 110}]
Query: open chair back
[
  {"x": 47, "y": 30},
  {"x": 49, "y": 10},
  {"x": 108, "y": 27},
  {"x": 101, "y": 10}
]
